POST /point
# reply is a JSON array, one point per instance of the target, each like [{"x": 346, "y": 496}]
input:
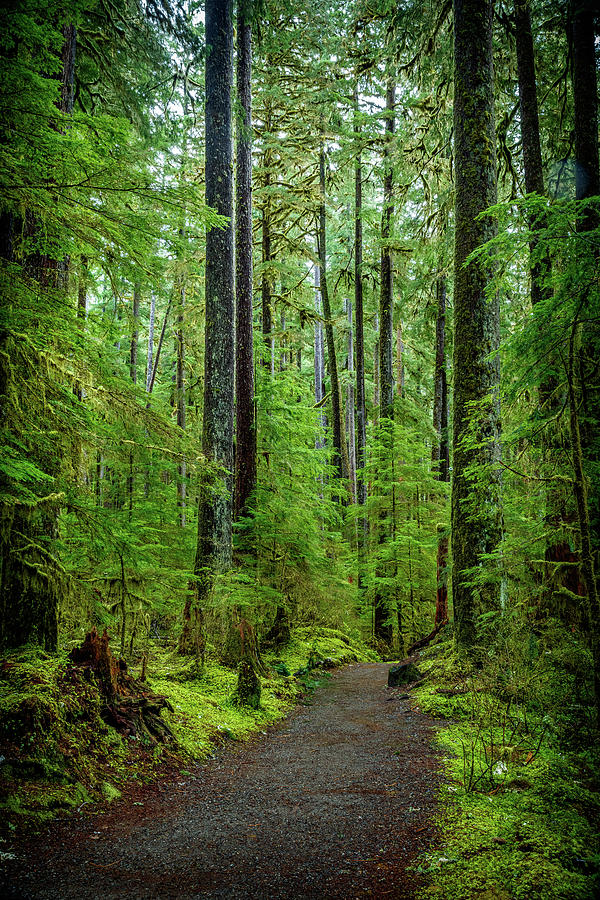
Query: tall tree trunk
[
  {"x": 539, "y": 270},
  {"x": 440, "y": 450},
  {"x": 528, "y": 103},
  {"x": 476, "y": 499},
  {"x": 376, "y": 371},
  {"x": 587, "y": 184},
  {"x": 150, "y": 353},
  {"x": 245, "y": 458},
  {"x": 180, "y": 394},
  {"x": 81, "y": 312},
  {"x": 135, "y": 332},
  {"x": 133, "y": 361},
  {"x": 583, "y": 380},
  {"x": 319, "y": 361},
  {"x": 382, "y": 600},
  {"x": 399, "y": 360},
  {"x": 340, "y": 453},
  {"x": 361, "y": 410},
  {"x": 350, "y": 421},
  {"x": 440, "y": 372},
  {"x": 386, "y": 297},
  {"x": 31, "y": 580},
  {"x": 530, "y": 130},
  {"x": 583, "y": 510},
  {"x": 179, "y": 290},
  {"x": 215, "y": 508},
  {"x": 585, "y": 104},
  {"x": 265, "y": 285},
  {"x": 159, "y": 346}
]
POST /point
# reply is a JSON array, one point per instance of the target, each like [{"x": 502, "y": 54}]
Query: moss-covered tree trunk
[
  {"x": 382, "y": 620},
  {"x": 32, "y": 581},
  {"x": 265, "y": 281},
  {"x": 386, "y": 295},
  {"x": 556, "y": 501},
  {"x": 361, "y": 409},
  {"x": 350, "y": 405},
  {"x": 440, "y": 450},
  {"x": 530, "y": 131},
  {"x": 476, "y": 500},
  {"x": 179, "y": 290},
  {"x": 340, "y": 450},
  {"x": 584, "y": 349},
  {"x": 245, "y": 458},
  {"x": 585, "y": 107},
  {"x": 213, "y": 552},
  {"x": 319, "y": 360}
]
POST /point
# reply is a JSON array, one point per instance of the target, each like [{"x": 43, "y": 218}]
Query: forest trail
[{"x": 334, "y": 802}]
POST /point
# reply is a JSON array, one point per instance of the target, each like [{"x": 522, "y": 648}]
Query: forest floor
[{"x": 337, "y": 801}]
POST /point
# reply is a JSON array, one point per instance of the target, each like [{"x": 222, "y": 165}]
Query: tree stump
[
  {"x": 248, "y": 688},
  {"x": 130, "y": 707}
]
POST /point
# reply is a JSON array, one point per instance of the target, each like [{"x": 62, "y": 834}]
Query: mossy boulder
[{"x": 405, "y": 672}]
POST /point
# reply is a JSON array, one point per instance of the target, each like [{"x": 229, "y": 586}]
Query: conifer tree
[
  {"x": 361, "y": 411},
  {"x": 476, "y": 504},
  {"x": 213, "y": 551},
  {"x": 32, "y": 580},
  {"x": 245, "y": 458}
]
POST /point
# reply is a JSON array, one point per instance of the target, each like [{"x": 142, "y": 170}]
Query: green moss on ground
[
  {"x": 520, "y": 814},
  {"x": 205, "y": 709},
  {"x": 58, "y": 754},
  {"x": 56, "y": 749}
]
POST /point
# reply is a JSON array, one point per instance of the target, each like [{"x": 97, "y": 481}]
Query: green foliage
[{"x": 520, "y": 804}]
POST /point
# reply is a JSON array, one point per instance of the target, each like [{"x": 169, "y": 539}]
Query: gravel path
[{"x": 333, "y": 803}]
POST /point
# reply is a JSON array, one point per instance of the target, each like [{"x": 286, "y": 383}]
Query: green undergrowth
[
  {"x": 57, "y": 754},
  {"x": 520, "y": 809},
  {"x": 204, "y": 708},
  {"x": 56, "y": 751}
]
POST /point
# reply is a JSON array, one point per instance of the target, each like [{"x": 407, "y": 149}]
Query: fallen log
[{"x": 424, "y": 641}]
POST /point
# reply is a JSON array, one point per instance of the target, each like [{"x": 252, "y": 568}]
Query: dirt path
[{"x": 333, "y": 803}]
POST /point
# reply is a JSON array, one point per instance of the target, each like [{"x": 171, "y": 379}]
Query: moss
[
  {"x": 109, "y": 791},
  {"x": 519, "y": 816},
  {"x": 52, "y": 737},
  {"x": 59, "y": 753}
]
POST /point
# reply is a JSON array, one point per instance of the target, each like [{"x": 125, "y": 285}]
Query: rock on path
[{"x": 333, "y": 803}]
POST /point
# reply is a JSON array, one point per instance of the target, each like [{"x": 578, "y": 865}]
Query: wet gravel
[{"x": 335, "y": 803}]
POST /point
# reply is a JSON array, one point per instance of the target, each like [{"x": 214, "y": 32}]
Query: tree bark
[
  {"x": 350, "y": 421},
  {"x": 319, "y": 361},
  {"x": 399, "y": 360},
  {"x": 31, "y": 579},
  {"x": 215, "y": 507},
  {"x": 386, "y": 298},
  {"x": 382, "y": 600},
  {"x": 476, "y": 500},
  {"x": 265, "y": 289},
  {"x": 440, "y": 450},
  {"x": 340, "y": 453},
  {"x": 135, "y": 332},
  {"x": 530, "y": 136},
  {"x": 583, "y": 380},
  {"x": 361, "y": 412},
  {"x": 585, "y": 105},
  {"x": 180, "y": 394},
  {"x": 150, "y": 353},
  {"x": 245, "y": 457}
]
